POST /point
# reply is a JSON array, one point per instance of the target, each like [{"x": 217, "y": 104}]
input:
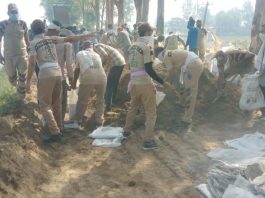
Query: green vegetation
[{"x": 9, "y": 103}]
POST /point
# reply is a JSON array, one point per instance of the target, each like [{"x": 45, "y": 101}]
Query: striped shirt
[{"x": 109, "y": 55}]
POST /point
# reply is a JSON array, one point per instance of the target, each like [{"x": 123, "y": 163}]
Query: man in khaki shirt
[
  {"x": 191, "y": 68},
  {"x": 15, "y": 34},
  {"x": 172, "y": 41},
  {"x": 43, "y": 51},
  {"x": 141, "y": 87},
  {"x": 116, "y": 61},
  {"x": 123, "y": 42},
  {"x": 65, "y": 59}
]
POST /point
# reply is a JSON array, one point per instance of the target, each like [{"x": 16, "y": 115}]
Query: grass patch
[{"x": 9, "y": 103}]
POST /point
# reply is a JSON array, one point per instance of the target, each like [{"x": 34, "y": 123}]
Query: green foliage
[
  {"x": 9, "y": 103},
  {"x": 235, "y": 21},
  {"x": 81, "y": 11}
]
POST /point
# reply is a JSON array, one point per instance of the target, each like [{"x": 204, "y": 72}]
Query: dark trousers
[
  {"x": 263, "y": 92},
  {"x": 112, "y": 85},
  {"x": 195, "y": 50},
  {"x": 64, "y": 98}
]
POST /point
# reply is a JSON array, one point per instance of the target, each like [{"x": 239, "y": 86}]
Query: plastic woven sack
[{"x": 251, "y": 94}]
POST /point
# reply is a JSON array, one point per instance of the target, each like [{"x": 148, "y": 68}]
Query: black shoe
[
  {"x": 126, "y": 134},
  {"x": 52, "y": 139},
  {"x": 150, "y": 145}
]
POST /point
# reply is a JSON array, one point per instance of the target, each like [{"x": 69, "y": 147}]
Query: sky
[{"x": 31, "y": 9}]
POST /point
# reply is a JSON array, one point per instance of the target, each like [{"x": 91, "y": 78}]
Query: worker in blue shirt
[{"x": 193, "y": 36}]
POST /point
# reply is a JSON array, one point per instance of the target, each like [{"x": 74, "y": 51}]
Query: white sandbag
[
  {"x": 202, "y": 188},
  {"x": 251, "y": 94},
  {"x": 72, "y": 101},
  {"x": 107, "y": 133},
  {"x": 253, "y": 142},
  {"x": 107, "y": 142},
  {"x": 235, "y": 192},
  {"x": 160, "y": 96},
  {"x": 242, "y": 151},
  {"x": 72, "y": 125},
  {"x": 42, "y": 121}
]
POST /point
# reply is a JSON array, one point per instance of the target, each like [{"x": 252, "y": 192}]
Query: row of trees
[
  {"x": 236, "y": 21},
  {"x": 99, "y": 13}
]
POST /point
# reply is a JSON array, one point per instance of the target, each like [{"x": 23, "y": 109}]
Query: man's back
[{"x": 92, "y": 71}]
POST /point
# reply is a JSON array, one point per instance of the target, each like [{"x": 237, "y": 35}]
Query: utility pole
[{"x": 205, "y": 14}]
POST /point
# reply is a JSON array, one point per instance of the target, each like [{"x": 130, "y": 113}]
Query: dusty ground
[{"x": 75, "y": 169}]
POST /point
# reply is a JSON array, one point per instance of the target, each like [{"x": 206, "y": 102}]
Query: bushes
[{"x": 9, "y": 103}]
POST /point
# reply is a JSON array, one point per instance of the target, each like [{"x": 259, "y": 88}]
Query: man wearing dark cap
[
  {"x": 16, "y": 42},
  {"x": 141, "y": 87},
  {"x": 43, "y": 51}
]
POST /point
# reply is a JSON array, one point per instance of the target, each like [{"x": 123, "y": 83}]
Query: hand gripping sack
[
  {"x": 251, "y": 94},
  {"x": 73, "y": 96}
]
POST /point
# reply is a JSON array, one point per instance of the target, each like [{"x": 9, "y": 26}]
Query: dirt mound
[
  {"x": 169, "y": 111},
  {"x": 77, "y": 169}
]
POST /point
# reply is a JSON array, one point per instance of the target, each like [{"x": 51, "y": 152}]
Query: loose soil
[{"x": 76, "y": 169}]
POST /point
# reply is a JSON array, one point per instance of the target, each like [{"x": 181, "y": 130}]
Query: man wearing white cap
[
  {"x": 65, "y": 59},
  {"x": 43, "y": 51},
  {"x": 15, "y": 34}
]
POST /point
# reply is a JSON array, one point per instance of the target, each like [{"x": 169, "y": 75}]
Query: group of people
[{"x": 49, "y": 53}]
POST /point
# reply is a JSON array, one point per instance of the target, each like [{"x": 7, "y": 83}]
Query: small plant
[{"x": 9, "y": 103}]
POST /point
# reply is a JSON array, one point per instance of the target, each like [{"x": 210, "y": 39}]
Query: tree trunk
[
  {"x": 120, "y": 7},
  {"x": 160, "y": 17},
  {"x": 103, "y": 6},
  {"x": 109, "y": 12},
  {"x": 258, "y": 21},
  {"x": 139, "y": 7},
  {"x": 145, "y": 10},
  {"x": 97, "y": 13}
]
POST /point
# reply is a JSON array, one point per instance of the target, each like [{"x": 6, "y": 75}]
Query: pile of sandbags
[{"x": 239, "y": 170}]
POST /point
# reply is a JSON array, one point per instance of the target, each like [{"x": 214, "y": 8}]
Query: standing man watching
[
  {"x": 202, "y": 34},
  {"x": 15, "y": 59},
  {"x": 141, "y": 87},
  {"x": 43, "y": 51},
  {"x": 193, "y": 36},
  {"x": 124, "y": 42}
]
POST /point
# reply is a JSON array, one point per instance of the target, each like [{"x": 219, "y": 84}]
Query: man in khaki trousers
[
  {"x": 92, "y": 77},
  {"x": 43, "y": 51},
  {"x": 191, "y": 69},
  {"x": 141, "y": 87}
]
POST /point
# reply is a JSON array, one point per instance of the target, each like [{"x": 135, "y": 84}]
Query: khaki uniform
[
  {"x": 177, "y": 59},
  {"x": 142, "y": 90},
  {"x": 202, "y": 34},
  {"x": 49, "y": 80},
  {"x": 15, "y": 53},
  {"x": 65, "y": 60},
  {"x": 124, "y": 43},
  {"x": 172, "y": 42},
  {"x": 114, "y": 58},
  {"x": 92, "y": 77}
]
